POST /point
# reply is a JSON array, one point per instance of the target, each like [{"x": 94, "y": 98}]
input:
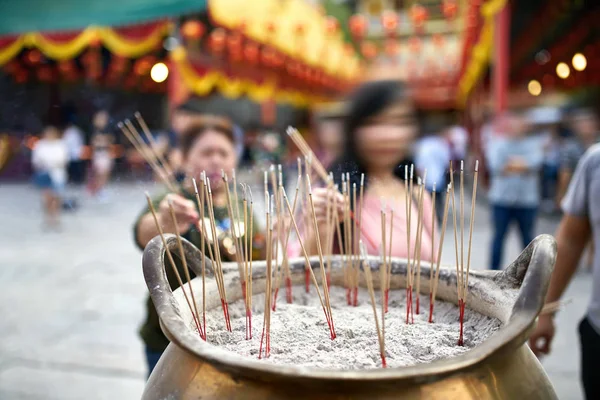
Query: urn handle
[{"x": 531, "y": 271}]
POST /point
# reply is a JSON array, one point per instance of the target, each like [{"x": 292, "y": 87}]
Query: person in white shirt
[
  {"x": 50, "y": 158},
  {"x": 73, "y": 138}
]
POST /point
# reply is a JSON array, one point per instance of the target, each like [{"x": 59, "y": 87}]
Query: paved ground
[{"x": 71, "y": 302}]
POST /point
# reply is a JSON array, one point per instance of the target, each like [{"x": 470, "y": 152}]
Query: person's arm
[
  {"x": 564, "y": 177},
  {"x": 572, "y": 236}
]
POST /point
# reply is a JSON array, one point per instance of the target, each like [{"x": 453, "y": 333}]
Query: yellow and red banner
[{"x": 131, "y": 41}]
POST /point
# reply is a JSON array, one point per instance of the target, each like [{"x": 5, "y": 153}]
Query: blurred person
[
  {"x": 50, "y": 159},
  {"x": 380, "y": 129},
  {"x": 102, "y": 157},
  {"x": 330, "y": 140},
  {"x": 584, "y": 125},
  {"x": 514, "y": 162},
  {"x": 207, "y": 144},
  {"x": 181, "y": 117},
  {"x": 580, "y": 223},
  {"x": 74, "y": 140},
  {"x": 433, "y": 154},
  {"x": 250, "y": 143}
]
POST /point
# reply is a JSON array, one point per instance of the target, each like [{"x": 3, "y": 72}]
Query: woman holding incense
[
  {"x": 208, "y": 144},
  {"x": 380, "y": 128}
]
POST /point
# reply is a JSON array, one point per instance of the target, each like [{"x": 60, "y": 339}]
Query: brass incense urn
[{"x": 502, "y": 367}]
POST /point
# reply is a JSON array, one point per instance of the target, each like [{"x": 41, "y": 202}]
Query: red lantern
[
  {"x": 66, "y": 66},
  {"x": 418, "y": 15},
  {"x": 234, "y": 42},
  {"x": 368, "y": 50},
  {"x": 12, "y": 67},
  {"x": 21, "y": 76},
  {"x": 414, "y": 44},
  {"x": 217, "y": 40},
  {"x": 192, "y": 30},
  {"x": 118, "y": 64},
  {"x": 389, "y": 20},
  {"x": 34, "y": 57},
  {"x": 143, "y": 66},
  {"x": 391, "y": 47},
  {"x": 449, "y": 8},
  {"x": 45, "y": 74},
  {"x": 358, "y": 26},
  {"x": 438, "y": 40},
  {"x": 331, "y": 25},
  {"x": 268, "y": 56},
  {"x": 251, "y": 52}
]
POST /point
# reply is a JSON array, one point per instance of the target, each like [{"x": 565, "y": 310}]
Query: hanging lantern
[
  {"x": 331, "y": 25},
  {"x": 192, "y": 30},
  {"x": 251, "y": 52},
  {"x": 118, "y": 64},
  {"x": 21, "y": 76},
  {"x": 391, "y": 47},
  {"x": 368, "y": 50},
  {"x": 234, "y": 42},
  {"x": 267, "y": 56},
  {"x": 358, "y": 26},
  {"x": 414, "y": 44},
  {"x": 34, "y": 57},
  {"x": 418, "y": 16},
  {"x": 389, "y": 20},
  {"x": 449, "y": 9},
  {"x": 217, "y": 40},
  {"x": 45, "y": 74},
  {"x": 143, "y": 66},
  {"x": 66, "y": 66},
  {"x": 438, "y": 40}
]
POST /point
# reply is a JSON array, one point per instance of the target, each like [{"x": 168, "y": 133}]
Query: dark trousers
[
  {"x": 590, "y": 354},
  {"x": 502, "y": 217},
  {"x": 76, "y": 171},
  {"x": 152, "y": 358}
]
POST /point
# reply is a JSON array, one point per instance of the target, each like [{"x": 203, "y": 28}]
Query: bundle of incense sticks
[
  {"x": 248, "y": 221},
  {"x": 149, "y": 152},
  {"x": 408, "y": 204},
  {"x": 306, "y": 151},
  {"x": 369, "y": 281},
  {"x": 190, "y": 302}
]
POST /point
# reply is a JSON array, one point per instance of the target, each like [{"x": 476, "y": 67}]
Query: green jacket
[{"x": 150, "y": 330}]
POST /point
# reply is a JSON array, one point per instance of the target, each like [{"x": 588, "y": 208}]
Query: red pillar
[{"x": 501, "y": 59}]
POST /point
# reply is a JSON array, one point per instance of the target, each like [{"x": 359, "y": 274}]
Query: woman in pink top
[{"x": 380, "y": 129}]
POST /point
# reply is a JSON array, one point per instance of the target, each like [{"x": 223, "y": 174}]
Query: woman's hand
[
  {"x": 184, "y": 210},
  {"x": 321, "y": 198}
]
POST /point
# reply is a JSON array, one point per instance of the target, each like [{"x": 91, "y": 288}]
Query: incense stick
[
  {"x": 173, "y": 265},
  {"x": 234, "y": 233},
  {"x": 355, "y": 251},
  {"x": 186, "y": 271},
  {"x": 369, "y": 281},
  {"x": 389, "y": 262},
  {"x": 420, "y": 237},
  {"x": 217, "y": 254},
  {"x": 433, "y": 218},
  {"x": 320, "y": 253},
  {"x": 458, "y": 276},
  {"x": 383, "y": 266},
  {"x": 267, "y": 313},
  {"x": 307, "y": 261},
  {"x": 250, "y": 248},
  {"x": 439, "y": 256}
]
